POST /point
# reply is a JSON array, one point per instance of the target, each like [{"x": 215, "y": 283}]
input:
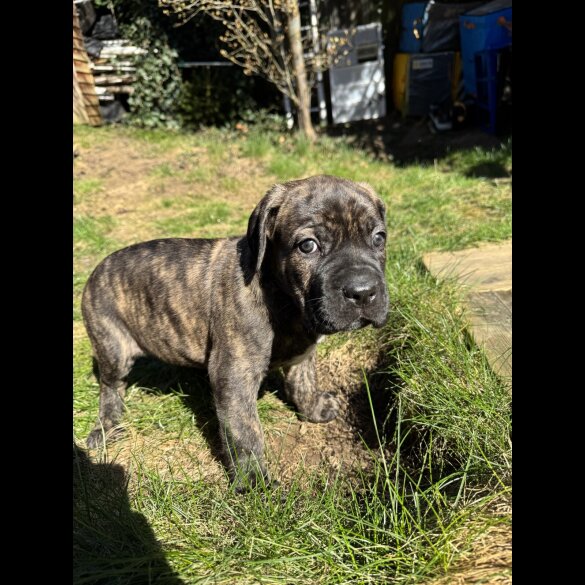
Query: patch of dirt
[
  {"x": 125, "y": 174},
  {"x": 132, "y": 188},
  {"x": 122, "y": 167},
  {"x": 344, "y": 444}
]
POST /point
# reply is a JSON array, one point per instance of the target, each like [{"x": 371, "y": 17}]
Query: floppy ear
[
  {"x": 380, "y": 205},
  {"x": 261, "y": 223}
]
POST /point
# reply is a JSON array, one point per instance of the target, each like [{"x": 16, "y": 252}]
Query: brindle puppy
[{"x": 312, "y": 263}]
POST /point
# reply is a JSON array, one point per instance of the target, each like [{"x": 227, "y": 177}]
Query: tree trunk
[{"x": 296, "y": 47}]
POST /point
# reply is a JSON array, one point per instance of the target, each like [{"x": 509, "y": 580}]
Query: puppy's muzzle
[{"x": 349, "y": 298}]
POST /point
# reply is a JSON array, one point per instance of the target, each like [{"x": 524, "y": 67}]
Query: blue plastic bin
[
  {"x": 411, "y": 27},
  {"x": 490, "y": 70},
  {"x": 482, "y": 29}
]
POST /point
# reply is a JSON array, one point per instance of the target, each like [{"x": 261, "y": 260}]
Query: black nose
[{"x": 361, "y": 293}]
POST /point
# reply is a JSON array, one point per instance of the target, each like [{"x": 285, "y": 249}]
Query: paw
[
  {"x": 249, "y": 484},
  {"x": 95, "y": 439},
  {"x": 324, "y": 409},
  {"x": 245, "y": 481}
]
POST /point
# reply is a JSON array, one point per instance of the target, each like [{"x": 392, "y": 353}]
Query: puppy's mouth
[
  {"x": 327, "y": 318},
  {"x": 326, "y": 327}
]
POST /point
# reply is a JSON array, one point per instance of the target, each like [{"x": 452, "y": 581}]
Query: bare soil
[{"x": 133, "y": 192}]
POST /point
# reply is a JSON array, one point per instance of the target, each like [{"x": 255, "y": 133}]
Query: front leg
[
  {"x": 235, "y": 391},
  {"x": 300, "y": 386}
]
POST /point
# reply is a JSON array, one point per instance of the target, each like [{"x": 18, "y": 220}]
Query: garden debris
[
  {"x": 87, "y": 16},
  {"x": 105, "y": 28}
]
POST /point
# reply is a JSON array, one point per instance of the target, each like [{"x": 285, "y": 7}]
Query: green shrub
[{"x": 158, "y": 79}]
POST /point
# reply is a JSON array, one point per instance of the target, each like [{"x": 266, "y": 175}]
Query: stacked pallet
[{"x": 114, "y": 69}]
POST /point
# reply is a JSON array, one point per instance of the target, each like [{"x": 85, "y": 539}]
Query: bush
[
  {"x": 166, "y": 97},
  {"x": 214, "y": 96},
  {"x": 154, "y": 103}
]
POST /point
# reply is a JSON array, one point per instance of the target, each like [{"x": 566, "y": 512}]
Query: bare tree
[{"x": 264, "y": 38}]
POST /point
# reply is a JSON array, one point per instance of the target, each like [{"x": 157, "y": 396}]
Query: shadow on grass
[
  {"x": 154, "y": 376},
  {"x": 111, "y": 542},
  {"x": 487, "y": 170},
  {"x": 408, "y": 141}
]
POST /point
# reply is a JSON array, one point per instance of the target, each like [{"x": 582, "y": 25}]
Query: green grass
[
  {"x": 90, "y": 234},
  {"x": 156, "y": 141},
  {"x": 441, "y": 467},
  {"x": 86, "y": 188},
  {"x": 395, "y": 524},
  {"x": 256, "y": 145},
  {"x": 229, "y": 184},
  {"x": 162, "y": 171},
  {"x": 201, "y": 215},
  {"x": 456, "y": 407},
  {"x": 201, "y": 174},
  {"x": 477, "y": 162},
  {"x": 86, "y": 136},
  {"x": 85, "y": 397}
]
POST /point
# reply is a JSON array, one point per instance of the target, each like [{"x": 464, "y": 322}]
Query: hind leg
[{"x": 114, "y": 352}]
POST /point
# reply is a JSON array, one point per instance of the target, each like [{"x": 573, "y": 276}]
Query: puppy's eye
[
  {"x": 308, "y": 246},
  {"x": 379, "y": 239}
]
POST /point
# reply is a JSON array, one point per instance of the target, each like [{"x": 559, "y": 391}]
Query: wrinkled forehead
[{"x": 332, "y": 206}]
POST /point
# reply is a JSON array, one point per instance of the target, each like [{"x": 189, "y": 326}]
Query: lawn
[{"x": 411, "y": 484}]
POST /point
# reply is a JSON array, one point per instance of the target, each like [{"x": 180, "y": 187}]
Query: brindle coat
[{"x": 312, "y": 263}]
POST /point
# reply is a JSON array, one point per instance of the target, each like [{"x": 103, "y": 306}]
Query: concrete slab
[{"x": 487, "y": 272}]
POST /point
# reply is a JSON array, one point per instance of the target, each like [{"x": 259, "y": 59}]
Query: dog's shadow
[
  {"x": 190, "y": 384},
  {"x": 111, "y": 541}
]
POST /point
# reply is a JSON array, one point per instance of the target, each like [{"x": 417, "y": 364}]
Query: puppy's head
[{"x": 322, "y": 241}]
